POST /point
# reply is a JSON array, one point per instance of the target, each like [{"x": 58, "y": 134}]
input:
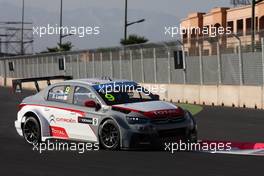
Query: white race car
[{"x": 98, "y": 111}]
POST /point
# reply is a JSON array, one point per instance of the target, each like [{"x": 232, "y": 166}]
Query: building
[{"x": 237, "y": 20}]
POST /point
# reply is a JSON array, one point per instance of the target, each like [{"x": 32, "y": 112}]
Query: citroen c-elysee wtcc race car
[{"x": 87, "y": 110}]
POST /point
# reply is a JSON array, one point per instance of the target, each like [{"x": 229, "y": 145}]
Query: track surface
[{"x": 17, "y": 158}]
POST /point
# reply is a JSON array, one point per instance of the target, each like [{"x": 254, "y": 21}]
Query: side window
[
  {"x": 81, "y": 95},
  {"x": 59, "y": 94}
]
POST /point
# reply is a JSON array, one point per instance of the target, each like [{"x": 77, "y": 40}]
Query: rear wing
[{"x": 17, "y": 83}]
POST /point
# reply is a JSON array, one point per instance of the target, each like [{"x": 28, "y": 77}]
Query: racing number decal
[
  {"x": 67, "y": 90},
  {"x": 95, "y": 121},
  {"x": 110, "y": 97}
]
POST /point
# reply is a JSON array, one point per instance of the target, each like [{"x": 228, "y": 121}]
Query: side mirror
[
  {"x": 156, "y": 97},
  {"x": 92, "y": 104}
]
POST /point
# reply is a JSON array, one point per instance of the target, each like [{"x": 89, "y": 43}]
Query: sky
[
  {"x": 108, "y": 14},
  {"x": 174, "y": 7}
]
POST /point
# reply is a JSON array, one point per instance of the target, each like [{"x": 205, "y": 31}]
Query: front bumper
[{"x": 153, "y": 135}]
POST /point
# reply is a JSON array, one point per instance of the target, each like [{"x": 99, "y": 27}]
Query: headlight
[{"x": 136, "y": 120}]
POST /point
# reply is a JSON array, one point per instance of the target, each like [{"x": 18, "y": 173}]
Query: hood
[{"x": 151, "y": 109}]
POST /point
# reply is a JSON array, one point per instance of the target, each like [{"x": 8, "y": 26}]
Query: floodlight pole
[
  {"x": 253, "y": 26},
  {"x": 22, "y": 27},
  {"x": 0, "y": 45},
  {"x": 61, "y": 6},
  {"x": 125, "y": 32},
  {"x": 129, "y": 24}
]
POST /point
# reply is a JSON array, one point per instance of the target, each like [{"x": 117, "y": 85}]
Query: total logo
[
  {"x": 169, "y": 113},
  {"x": 165, "y": 112},
  {"x": 58, "y": 132}
]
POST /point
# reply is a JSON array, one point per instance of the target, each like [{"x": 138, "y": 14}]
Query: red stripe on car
[
  {"x": 126, "y": 109},
  {"x": 168, "y": 113}
]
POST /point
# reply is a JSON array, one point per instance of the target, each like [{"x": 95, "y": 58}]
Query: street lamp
[
  {"x": 254, "y": 3},
  {"x": 240, "y": 58},
  {"x": 61, "y": 35},
  {"x": 22, "y": 27},
  {"x": 129, "y": 24},
  {"x": 0, "y": 46},
  {"x": 61, "y": 5}
]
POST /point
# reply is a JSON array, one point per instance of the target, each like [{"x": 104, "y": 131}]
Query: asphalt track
[{"x": 215, "y": 123}]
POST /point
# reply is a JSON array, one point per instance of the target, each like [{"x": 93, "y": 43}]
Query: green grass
[{"x": 194, "y": 109}]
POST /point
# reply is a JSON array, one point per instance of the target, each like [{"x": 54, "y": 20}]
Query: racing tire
[
  {"x": 109, "y": 135},
  {"x": 31, "y": 131},
  {"x": 192, "y": 137}
]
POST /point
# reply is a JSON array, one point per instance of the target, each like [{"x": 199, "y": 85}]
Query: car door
[
  {"x": 69, "y": 118},
  {"x": 87, "y": 118},
  {"x": 60, "y": 114}
]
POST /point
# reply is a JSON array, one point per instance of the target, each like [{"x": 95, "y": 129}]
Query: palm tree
[
  {"x": 61, "y": 48},
  {"x": 133, "y": 39}
]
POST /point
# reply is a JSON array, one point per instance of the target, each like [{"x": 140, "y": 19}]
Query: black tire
[
  {"x": 31, "y": 131},
  {"x": 109, "y": 135},
  {"x": 193, "y": 136}
]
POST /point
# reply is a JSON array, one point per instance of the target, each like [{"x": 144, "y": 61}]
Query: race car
[{"x": 116, "y": 114}]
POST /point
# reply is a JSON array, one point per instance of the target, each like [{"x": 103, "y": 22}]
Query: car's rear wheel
[
  {"x": 109, "y": 135},
  {"x": 31, "y": 131}
]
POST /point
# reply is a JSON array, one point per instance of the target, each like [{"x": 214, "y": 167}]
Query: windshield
[{"x": 134, "y": 94}]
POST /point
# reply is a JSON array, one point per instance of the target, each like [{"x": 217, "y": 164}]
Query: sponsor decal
[
  {"x": 52, "y": 119},
  {"x": 95, "y": 121},
  {"x": 58, "y": 132},
  {"x": 170, "y": 113},
  {"x": 87, "y": 120},
  {"x": 167, "y": 112},
  {"x": 66, "y": 120}
]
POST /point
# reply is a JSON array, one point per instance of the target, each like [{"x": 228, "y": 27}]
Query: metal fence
[{"x": 225, "y": 60}]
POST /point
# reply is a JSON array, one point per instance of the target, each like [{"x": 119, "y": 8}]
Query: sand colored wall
[{"x": 238, "y": 96}]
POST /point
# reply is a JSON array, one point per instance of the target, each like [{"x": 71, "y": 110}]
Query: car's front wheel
[
  {"x": 109, "y": 135},
  {"x": 31, "y": 131},
  {"x": 192, "y": 136}
]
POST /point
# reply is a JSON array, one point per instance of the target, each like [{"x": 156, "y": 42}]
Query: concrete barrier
[
  {"x": 262, "y": 97},
  {"x": 227, "y": 95},
  {"x": 251, "y": 96},
  {"x": 1, "y": 81},
  {"x": 192, "y": 94},
  {"x": 176, "y": 93},
  {"x": 221, "y": 95},
  {"x": 209, "y": 95}
]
